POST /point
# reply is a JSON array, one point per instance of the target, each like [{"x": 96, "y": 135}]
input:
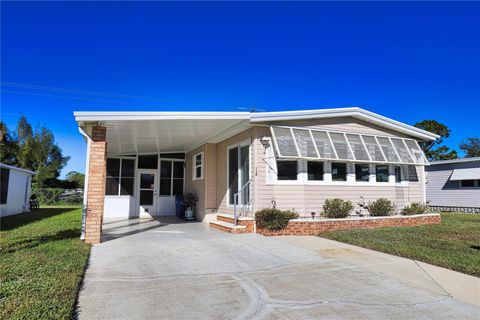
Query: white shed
[{"x": 15, "y": 189}]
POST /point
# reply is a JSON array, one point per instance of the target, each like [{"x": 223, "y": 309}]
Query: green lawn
[
  {"x": 41, "y": 265},
  {"x": 454, "y": 244}
]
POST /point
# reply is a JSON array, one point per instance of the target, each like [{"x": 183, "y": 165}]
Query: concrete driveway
[{"x": 153, "y": 270}]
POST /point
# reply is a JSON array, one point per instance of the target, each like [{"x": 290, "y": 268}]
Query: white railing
[{"x": 240, "y": 206}]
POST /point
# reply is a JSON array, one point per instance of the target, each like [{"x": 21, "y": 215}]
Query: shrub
[
  {"x": 415, "y": 208},
  {"x": 381, "y": 207},
  {"x": 336, "y": 208},
  {"x": 274, "y": 219}
]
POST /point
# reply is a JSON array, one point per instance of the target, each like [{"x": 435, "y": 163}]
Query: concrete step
[{"x": 227, "y": 227}]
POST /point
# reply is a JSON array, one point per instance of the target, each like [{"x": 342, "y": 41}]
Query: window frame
[
  {"x": 195, "y": 166},
  {"x": 120, "y": 177}
]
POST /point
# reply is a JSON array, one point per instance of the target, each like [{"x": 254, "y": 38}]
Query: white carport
[{"x": 159, "y": 140}]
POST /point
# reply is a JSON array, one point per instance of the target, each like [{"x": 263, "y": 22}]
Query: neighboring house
[
  {"x": 138, "y": 161},
  {"x": 15, "y": 188},
  {"x": 454, "y": 185}
]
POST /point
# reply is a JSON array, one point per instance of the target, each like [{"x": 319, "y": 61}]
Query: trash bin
[{"x": 179, "y": 207}]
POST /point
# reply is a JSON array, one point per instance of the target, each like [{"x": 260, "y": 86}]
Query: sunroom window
[{"x": 120, "y": 177}]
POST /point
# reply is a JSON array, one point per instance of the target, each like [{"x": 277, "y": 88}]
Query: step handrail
[{"x": 236, "y": 197}]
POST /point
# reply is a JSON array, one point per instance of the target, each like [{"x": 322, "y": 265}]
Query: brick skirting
[{"x": 309, "y": 227}]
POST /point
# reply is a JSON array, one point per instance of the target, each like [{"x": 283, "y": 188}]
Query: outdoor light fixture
[
  {"x": 313, "y": 215},
  {"x": 265, "y": 142}
]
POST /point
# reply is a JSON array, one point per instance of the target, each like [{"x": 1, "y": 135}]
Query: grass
[
  {"x": 453, "y": 244},
  {"x": 41, "y": 264}
]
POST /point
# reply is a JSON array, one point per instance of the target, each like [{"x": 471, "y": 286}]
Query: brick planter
[{"x": 309, "y": 227}]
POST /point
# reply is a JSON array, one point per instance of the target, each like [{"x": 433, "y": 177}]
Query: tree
[
  {"x": 433, "y": 149},
  {"x": 471, "y": 147},
  {"x": 8, "y": 146},
  {"x": 33, "y": 150},
  {"x": 76, "y": 178}
]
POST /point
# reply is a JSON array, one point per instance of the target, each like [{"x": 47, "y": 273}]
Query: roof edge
[
  {"x": 86, "y": 116},
  {"x": 343, "y": 112},
  {"x": 472, "y": 159},
  {"x": 3, "y": 165}
]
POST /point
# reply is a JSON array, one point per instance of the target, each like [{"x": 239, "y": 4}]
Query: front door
[{"x": 147, "y": 193}]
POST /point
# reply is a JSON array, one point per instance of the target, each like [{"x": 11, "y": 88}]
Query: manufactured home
[
  {"x": 137, "y": 162},
  {"x": 454, "y": 185}
]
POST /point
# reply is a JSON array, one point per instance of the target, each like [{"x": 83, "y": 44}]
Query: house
[
  {"x": 454, "y": 185},
  {"x": 15, "y": 189},
  {"x": 137, "y": 162}
]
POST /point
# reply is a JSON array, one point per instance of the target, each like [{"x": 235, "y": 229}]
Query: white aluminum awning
[
  {"x": 465, "y": 174},
  {"x": 306, "y": 143}
]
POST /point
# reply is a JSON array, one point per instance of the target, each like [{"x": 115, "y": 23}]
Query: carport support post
[{"x": 96, "y": 185}]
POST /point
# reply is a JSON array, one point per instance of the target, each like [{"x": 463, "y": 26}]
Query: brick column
[{"x": 97, "y": 169}]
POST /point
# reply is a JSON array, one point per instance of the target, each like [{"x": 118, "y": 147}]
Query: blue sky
[{"x": 408, "y": 61}]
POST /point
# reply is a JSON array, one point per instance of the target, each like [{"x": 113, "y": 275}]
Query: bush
[
  {"x": 381, "y": 207},
  {"x": 274, "y": 219},
  {"x": 336, "y": 208},
  {"x": 415, "y": 208}
]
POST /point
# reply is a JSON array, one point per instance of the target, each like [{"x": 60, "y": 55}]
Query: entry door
[
  {"x": 147, "y": 193},
  {"x": 239, "y": 172}
]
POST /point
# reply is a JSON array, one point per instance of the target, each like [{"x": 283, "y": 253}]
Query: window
[
  {"x": 127, "y": 177},
  {"x": 469, "y": 183},
  {"x": 198, "y": 166},
  {"x": 382, "y": 173},
  {"x": 4, "y": 177},
  {"x": 398, "y": 174},
  {"x": 148, "y": 162},
  {"x": 362, "y": 172},
  {"x": 171, "y": 178},
  {"x": 165, "y": 178},
  {"x": 120, "y": 177},
  {"x": 412, "y": 174},
  {"x": 339, "y": 171},
  {"x": 315, "y": 170},
  {"x": 287, "y": 170}
]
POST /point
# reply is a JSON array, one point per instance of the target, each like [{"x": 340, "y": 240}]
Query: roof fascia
[
  {"x": 344, "y": 112},
  {"x": 139, "y": 116}
]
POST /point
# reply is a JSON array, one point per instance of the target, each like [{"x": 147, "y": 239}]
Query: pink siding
[{"x": 212, "y": 190}]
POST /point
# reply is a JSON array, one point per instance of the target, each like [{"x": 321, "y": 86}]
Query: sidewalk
[{"x": 460, "y": 286}]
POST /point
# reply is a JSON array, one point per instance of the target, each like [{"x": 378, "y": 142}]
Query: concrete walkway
[
  {"x": 460, "y": 286},
  {"x": 167, "y": 270}
]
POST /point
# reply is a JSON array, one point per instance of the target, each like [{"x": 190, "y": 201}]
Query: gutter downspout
[{"x": 85, "y": 182}]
